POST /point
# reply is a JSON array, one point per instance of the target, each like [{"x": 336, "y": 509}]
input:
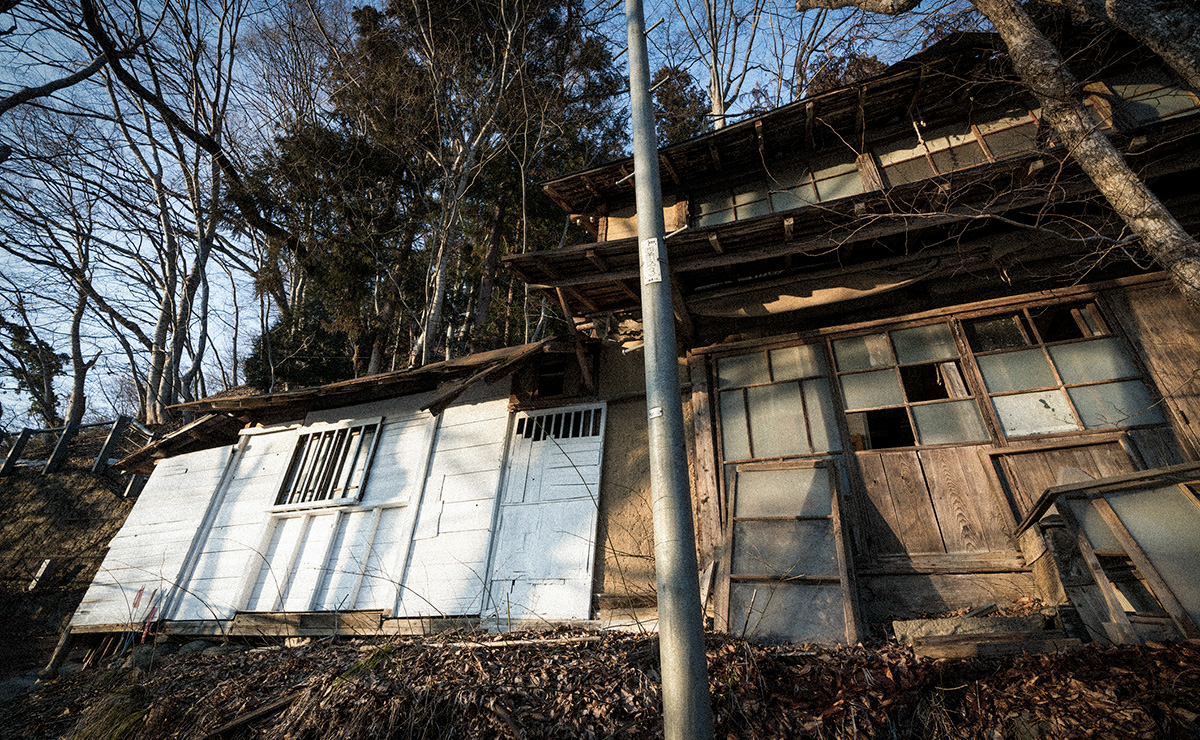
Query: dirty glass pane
[
  {"x": 795, "y": 612},
  {"x": 713, "y": 203},
  {"x": 959, "y": 157},
  {"x": 822, "y": 427},
  {"x": 840, "y": 186},
  {"x": 776, "y": 420},
  {"x": 943, "y": 423},
  {"x": 878, "y": 388},
  {"x": 1123, "y": 404},
  {"x": 790, "y": 492},
  {"x": 1164, "y": 522},
  {"x": 860, "y": 353},
  {"x": 905, "y": 172},
  {"x": 794, "y": 197},
  {"x": 734, "y": 436},
  {"x": 1093, "y": 525},
  {"x": 742, "y": 370},
  {"x": 750, "y": 194},
  {"x": 754, "y": 209},
  {"x": 1014, "y": 140},
  {"x": 1044, "y": 412},
  {"x": 1099, "y": 359},
  {"x": 996, "y": 332},
  {"x": 1016, "y": 371},
  {"x": 712, "y": 219},
  {"x": 924, "y": 344},
  {"x": 1146, "y": 102},
  {"x": 793, "y": 363},
  {"x": 784, "y": 548}
]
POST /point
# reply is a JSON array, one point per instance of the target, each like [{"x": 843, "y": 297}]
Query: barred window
[{"x": 330, "y": 464}]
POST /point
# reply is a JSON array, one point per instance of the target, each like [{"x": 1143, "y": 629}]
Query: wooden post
[
  {"x": 60, "y": 652},
  {"x": 14, "y": 454},
  {"x": 60, "y": 449},
  {"x": 110, "y": 444}
]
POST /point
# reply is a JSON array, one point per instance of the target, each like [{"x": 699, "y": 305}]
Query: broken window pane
[
  {"x": 1059, "y": 323},
  {"x": 785, "y": 492},
  {"x": 873, "y": 430},
  {"x": 928, "y": 382},
  {"x": 793, "y": 363},
  {"x": 924, "y": 343},
  {"x": 1099, "y": 359},
  {"x": 1123, "y": 404},
  {"x": 735, "y": 439},
  {"x": 1044, "y": 412},
  {"x": 943, "y": 423},
  {"x": 877, "y": 388},
  {"x": 742, "y": 370},
  {"x": 776, "y": 420},
  {"x": 784, "y": 548},
  {"x": 861, "y": 353},
  {"x": 1016, "y": 371},
  {"x": 997, "y": 332},
  {"x": 822, "y": 427}
]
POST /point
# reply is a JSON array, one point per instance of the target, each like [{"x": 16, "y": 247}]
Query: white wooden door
[{"x": 545, "y": 542}]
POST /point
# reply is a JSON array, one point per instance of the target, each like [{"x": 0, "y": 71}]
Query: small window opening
[
  {"x": 552, "y": 378},
  {"x": 1060, "y": 323},
  {"x": 1135, "y": 595},
  {"x": 880, "y": 428},
  {"x": 933, "y": 381}
]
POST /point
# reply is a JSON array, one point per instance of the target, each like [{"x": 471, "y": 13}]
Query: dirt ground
[{"x": 587, "y": 685}]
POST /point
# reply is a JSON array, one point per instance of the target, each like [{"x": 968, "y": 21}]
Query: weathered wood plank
[
  {"x": 878, "y": 513},
  {"x": 918, "y": 525},
  {"x": 1158, "y": 446},
  {"x": 991, "y": 649},
  {"x": 708, "y": 501},
  {"x": 961, "y": 500}
]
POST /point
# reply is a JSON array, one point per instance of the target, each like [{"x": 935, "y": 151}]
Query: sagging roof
[{"x": 224, "y": 413}]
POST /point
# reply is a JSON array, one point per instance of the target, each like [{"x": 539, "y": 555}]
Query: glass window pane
[
  {"x": 791, "y": 492},
  {"x": 714, "y": 203},
  {"x": 734, "y": 436},
  {"x": 840, "y": 186},
  {"x": 860, "y": 353},
  {"x": 1116, "y": 405},
  {"x": 793, "y": 363},
  {"x": 878, "y": 388},
  {"x": 755, "y": 193},
  {"x": 924, "y": 343},
  {"x": 797, "y": 612},
  {"x": 1093, "y": 525},
  {"x": 943, "y": 423},
  {"x": 776, "y": 420},
  {"x": 787, "y": 548},
  {"x": 959, "y": 157},
  {"x": 1045, "y": 412},
  {"x": 712, "y": 219},
  {"x": 742, "y": 370},
  {"x": 906, "y": 172},
  {"x": 822, "y": 424},
  {"x": 796, "y": 197},
  {"x": 1099, "y": 359},
  {"x": 754, "y": 209},
  {"x": 1164, "y": 523},
  {"x": 1016, "y": 371},
  {"x": 1010, "y": 141}
]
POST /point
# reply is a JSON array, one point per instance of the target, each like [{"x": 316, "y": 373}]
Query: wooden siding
[
  {"x": 145, "y": 558},
  {"x": 930, "y": 502},
  {"x": 447, "y": 560}
]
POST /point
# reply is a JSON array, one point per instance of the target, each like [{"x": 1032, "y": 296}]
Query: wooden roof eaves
[
  {"x": 141, "y": 460},
  {"x": 386, "y": 385},
  {"x": 745, "y": 133}
]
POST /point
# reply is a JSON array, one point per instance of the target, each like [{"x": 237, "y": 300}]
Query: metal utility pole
[{"x": 687, "y": 711}]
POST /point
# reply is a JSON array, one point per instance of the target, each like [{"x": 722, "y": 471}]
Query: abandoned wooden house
[{"x": 924, "y": 369}]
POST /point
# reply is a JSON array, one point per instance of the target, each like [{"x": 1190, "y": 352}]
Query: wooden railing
[{"x": 50, "y": 447}]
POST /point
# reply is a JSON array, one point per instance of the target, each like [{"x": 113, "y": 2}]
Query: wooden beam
[
  {"x": 557, "y": 198},
  {"x": 681, "y": 311},
  {"x": 712, "y": 152},
  {"x": 629, "y": 293},
  {"x": 597, "y": 261},
  {"x": 665, "y": 161},
  {"x": 581, "y": 298},
  {"x": 789, "y": 226},
  {"x": 715, "y": 242},
  {"x": 585, "y": 372},
  {"x": 15, "y": 451}
]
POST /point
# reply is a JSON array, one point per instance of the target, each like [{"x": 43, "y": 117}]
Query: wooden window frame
[{"x": 321, "y": 478}]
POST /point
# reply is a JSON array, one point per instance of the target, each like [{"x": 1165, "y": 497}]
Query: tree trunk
[
  {"x": 488, "y": 279},
  {"x": 1039, "y": 64},
  {"x": 1171, "y": 28}
]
